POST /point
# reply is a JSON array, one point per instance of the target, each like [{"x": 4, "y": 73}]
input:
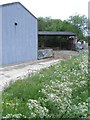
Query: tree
[
  {"x": 41, "y": 24},
  {"x": 48, "y": 24},
  {"x": 79, "y": 21}
]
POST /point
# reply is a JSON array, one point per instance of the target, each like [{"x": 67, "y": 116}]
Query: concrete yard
[{"x": 12, "y": 73}]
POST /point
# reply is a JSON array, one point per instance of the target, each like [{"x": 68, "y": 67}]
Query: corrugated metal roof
[
  {"x": 50, "y": 33},
  {"x": 7, "y": 4}
]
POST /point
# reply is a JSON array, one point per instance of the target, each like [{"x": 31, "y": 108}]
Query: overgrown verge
[{"x": 59, "y": 91}]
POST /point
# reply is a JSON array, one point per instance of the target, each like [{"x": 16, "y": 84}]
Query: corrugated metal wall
[{"x": 20, "y": 40}]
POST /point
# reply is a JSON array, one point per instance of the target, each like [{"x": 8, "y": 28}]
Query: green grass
[{"x": 16, "y": 96}]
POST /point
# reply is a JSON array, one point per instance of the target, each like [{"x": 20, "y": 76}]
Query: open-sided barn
[{"x": 58, "y": 39}]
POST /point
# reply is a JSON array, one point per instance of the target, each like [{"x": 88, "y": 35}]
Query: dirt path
[
  {"x": 64, "y": 54},
  {"x": 14, "y": 72}
]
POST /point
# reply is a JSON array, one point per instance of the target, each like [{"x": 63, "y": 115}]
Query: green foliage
[
  {"x": 48, "y": 24},
  {"x": 87, "y": 39},
  {"x": 81, "y": 22},
  {"x": 78, "y": 20},
  {"x": 59, "y": 91}
]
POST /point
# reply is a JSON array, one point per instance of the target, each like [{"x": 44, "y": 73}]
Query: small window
[{"x": 15, "y": 24}]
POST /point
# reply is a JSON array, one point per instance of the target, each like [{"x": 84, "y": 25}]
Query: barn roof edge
[
  {"x": 7, "y": 4},
  {"x": 62, "y": 33}
]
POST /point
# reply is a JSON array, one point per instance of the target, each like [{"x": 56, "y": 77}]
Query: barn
[
  {"x": 18, "y": 34},
  {"x": 57, "y": 40}
]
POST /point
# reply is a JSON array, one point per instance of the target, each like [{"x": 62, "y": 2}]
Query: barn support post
[{"x": 43, "y": 43}]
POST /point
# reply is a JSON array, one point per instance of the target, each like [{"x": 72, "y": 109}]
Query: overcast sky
[{"x": 57, "y": 9}]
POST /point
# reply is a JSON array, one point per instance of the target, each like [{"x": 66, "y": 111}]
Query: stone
[{"x": 45, "y": 53}]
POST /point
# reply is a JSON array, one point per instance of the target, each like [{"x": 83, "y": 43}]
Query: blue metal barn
[{"x": 18, "y": 34}]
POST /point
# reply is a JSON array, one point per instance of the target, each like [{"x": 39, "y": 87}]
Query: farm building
[
  {"x": 18, "y": 34},
  {"x": 60, "y": 40}
]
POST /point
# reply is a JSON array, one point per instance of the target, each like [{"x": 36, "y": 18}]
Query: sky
[{"x": 56, "y": 9}]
